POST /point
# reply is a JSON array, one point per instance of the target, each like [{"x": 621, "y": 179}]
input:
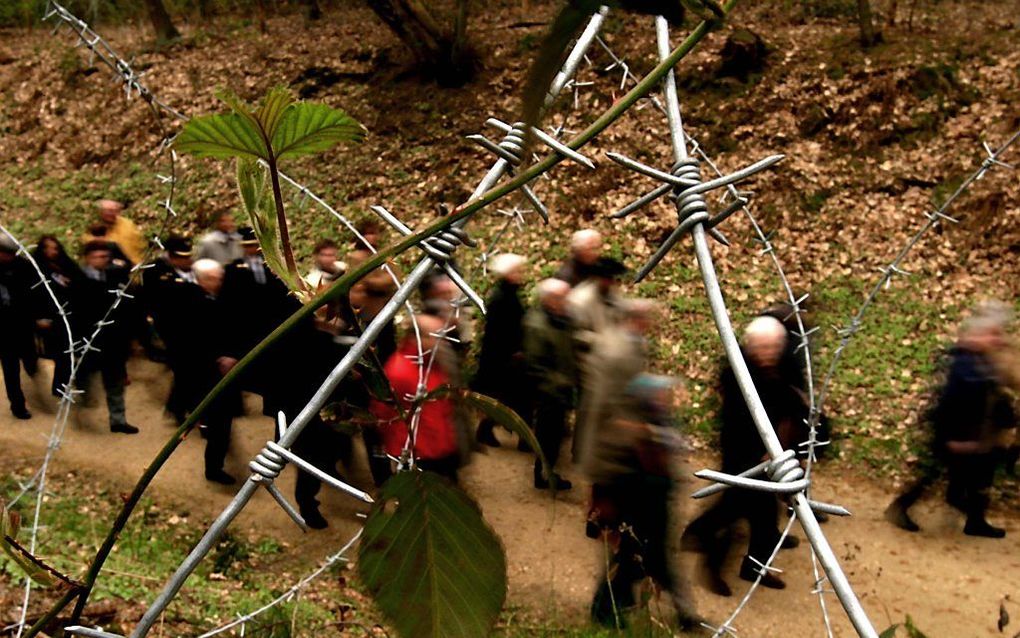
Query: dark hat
[
  {"x": 248, "y": 236},
  {"x": 608, "y": 267},
  {"x": 177, "y": 246}
]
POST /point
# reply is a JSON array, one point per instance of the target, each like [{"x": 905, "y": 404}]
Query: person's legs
[
  {"x": 710, "y": 534},
  {"x": 550, "y": 427},
  {"x": 11, "y": 364},
  {"x": 974, "y": 474},
  {"x": 114, "y": 373},
  {"x": 761, "y": 510},
  {"x": 898, "y": 512},
  {"x": 321, "y": 447},
  {"x": 218, "y": 422}
]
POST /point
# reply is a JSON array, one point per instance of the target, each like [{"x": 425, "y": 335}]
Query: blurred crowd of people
[{"x": 576, "y": 360}]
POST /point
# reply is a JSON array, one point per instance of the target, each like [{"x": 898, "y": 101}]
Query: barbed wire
[
  {"x": 124, "y": 73},
  {"x": 274, "y": 457},
  {"x": 337, "y": 557},
  {"x": 932, "y": 219},
  {"x": 784, "y": 473}
]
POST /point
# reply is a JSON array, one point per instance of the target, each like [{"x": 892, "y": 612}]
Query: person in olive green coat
[{"x": 549, "y": 355}]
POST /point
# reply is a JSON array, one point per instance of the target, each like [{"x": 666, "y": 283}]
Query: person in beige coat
[{"x": 620, "y": 354}]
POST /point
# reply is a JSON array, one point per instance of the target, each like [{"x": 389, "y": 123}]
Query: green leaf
[
  {"x": 506, "y": 417},
  {"x": 222, "y": 136},
  {"x": 432, "y": 564},
  {"x": 494, "y": 410},
  {"x": 889, "y": 633},
  {"x": 307, "y": 128},
  {"x": 274, "y": 105},
  {"x": 37, "y": 570},
  {"x": 253, "y": 185}
]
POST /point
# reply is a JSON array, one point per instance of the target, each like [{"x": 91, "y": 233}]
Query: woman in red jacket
[{"x": 433, "y": 427}]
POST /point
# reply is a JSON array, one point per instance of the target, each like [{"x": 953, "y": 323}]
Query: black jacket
[
  {"x": 501, "y": 359},
  {"x": 92, "y": 301},
  {"x": 19, "y": 306},
  {"x": 971, "y": 405},
  {"x": 742, "y": 448}
]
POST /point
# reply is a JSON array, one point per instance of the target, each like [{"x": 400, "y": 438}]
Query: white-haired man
[
  {"x": 970, "y": 419},
  {"x": 585, "y": 250},
  {"x": 549, "y": 354},
  {"x": 742, "y": 449},
  {"x": 501, "y": 369},
  {"x": 120, "y": 230},
  {"x": 208, "y": 355}
]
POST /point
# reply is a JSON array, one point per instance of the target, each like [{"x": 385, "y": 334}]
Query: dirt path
[{"x": 949, "y": 583}]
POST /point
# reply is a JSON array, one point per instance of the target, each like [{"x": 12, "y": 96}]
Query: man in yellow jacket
[{"x": 120, "y": 230}]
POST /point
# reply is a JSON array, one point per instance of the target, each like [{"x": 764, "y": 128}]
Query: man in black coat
[
  {"x": 552, "y": 374},
  {"x": 167, "y": 287},
  {"x": 742, "y": 449},
  {"x": 207, "y": 355},
  {"x": 17, "y": 321},
  {"x": 502, "y": 373},
  {"x": 109, "y": 352},
  {"x": 289, "y": 373},
  {"x": 971, "y": 412}
]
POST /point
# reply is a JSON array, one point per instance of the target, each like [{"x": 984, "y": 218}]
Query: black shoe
[
  {"x": 124, "y": 428},
  {"x": 715, "y": 583},
  {"x": 749, "y": 571},
  {"x": 558, "y": 483},
  {"x": 790, "y": 542},
  {"x": 486, "y": 436},
  {"x": 21, "y": 413},
  {"x": 981, "y": 527},
  {"x": 314, "y": 519},
  {"x": 897, "y": 515},
  {"x": 221, "y": 477}
]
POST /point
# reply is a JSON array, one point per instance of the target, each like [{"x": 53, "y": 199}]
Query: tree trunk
[
  {"x": 440, "y": 53},
  {"x": 161, "y": 23},
  {"x": 312, "y": 10},
  {"x": 869, "y": 36}
]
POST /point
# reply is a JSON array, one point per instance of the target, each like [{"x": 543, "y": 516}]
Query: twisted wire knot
[
  {"x": 513, "y": 143},
  {"x": 690, "y": 207},
  {"x": 268, "y": 463},
  {"x": 442, "y": 246},
  {"x": 785, "y": 468}
]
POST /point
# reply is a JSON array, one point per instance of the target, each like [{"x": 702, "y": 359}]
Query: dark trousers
[
  {"x": 714, "y": 527},
  {"x": 113, "y": 372},
  {"x": 970, "y": 476},
  {"x": 550, "y": 428},
  {"x": 641, "y": 505},
  {"x": 323, "y": 448},
  {"x": 11, "y": 362},
  {"x": 929, "y": 470},
  {"x": 218, "y": 420},
  {"x": 378, "y": 461},
  {"x": 446, "y": 466}
]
